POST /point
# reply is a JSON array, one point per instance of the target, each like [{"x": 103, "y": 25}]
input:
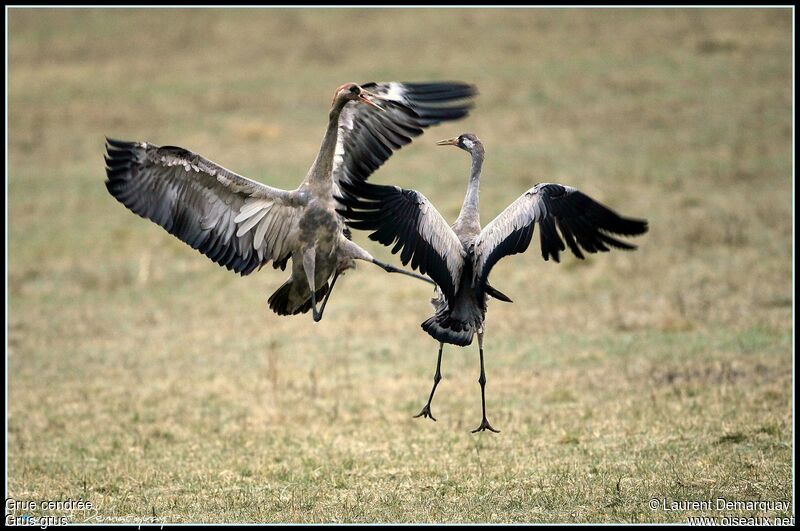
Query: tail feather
[
  {"x": 282, "y": 303},
  {"x": 447, "y": 330}
]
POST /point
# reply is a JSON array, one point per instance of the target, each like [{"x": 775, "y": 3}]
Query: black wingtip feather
[
  {"x": 393, "y": 215},
  {"x": 422, "y": 105}
]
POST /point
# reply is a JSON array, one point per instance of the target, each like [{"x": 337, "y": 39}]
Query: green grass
[{"x": 145, "y": 379}]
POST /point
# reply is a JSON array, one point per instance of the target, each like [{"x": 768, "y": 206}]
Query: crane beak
[
  {"x": 369, "y": 99},
  {"x": 449, "y": 142}
]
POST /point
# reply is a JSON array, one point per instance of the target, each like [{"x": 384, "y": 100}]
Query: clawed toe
[
  {"x": 485, "y": 426},
  {"x": 426, "y": 412}
]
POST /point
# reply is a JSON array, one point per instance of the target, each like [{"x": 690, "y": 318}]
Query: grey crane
[
  {"x": 242, "y": 224},
  {"x": 460, "y": 258}
]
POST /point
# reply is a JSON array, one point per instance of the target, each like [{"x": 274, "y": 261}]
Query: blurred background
[{"x": 148, "y": 380}]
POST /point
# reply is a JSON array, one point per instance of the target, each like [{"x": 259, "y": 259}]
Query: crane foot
[
  {"x": 485, "y": 426},
  {"x": 426, "y": 412}
]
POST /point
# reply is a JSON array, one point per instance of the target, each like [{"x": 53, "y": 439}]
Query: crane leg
[
  {"x": 482, "y": 380},
  {"x": 309, "y": 262},
  {"x": 426, "y": 411},
  {"x": 328, "y": 295},
  {"x": 392, "y": 269}
]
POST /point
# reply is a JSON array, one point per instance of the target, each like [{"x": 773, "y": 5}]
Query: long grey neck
[
  {"x": 470, "y": 217},
  {"x": 320, "y": 172}
]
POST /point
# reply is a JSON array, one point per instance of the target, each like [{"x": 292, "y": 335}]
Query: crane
[
  {"x": 460, "y": 257},
  {"x": 243, "y": 224}
]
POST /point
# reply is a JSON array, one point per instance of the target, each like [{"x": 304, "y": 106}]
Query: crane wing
[
  {"x": 236, "y": 222},
  {"x": 408, "y": 220},
  {"x": 583, "y": 222},
  {"x": 368, "y": 136}
]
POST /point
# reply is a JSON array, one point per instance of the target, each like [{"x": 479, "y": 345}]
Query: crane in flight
[
  {"x": 460, "y": 257},
  {"x": 243, "y": 224}
]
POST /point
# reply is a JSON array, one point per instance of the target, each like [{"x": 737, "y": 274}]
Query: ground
[{"x": 152, "y": 383}]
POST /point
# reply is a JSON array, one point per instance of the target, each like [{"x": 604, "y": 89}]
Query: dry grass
[{"x": 156, "y": 385}]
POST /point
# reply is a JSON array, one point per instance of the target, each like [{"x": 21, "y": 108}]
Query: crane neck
[
  {"x": 470, "y": 214},
  {"x": 320, "y": 172}
]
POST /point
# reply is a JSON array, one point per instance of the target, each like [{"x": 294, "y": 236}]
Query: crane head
[
  {"x": 466, "y": 141},
  {"x": 353, "y": 92}
]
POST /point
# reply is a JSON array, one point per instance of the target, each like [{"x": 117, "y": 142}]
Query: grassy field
[{"x": 145, "y": 379}]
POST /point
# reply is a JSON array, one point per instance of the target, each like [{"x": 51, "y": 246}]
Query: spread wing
[
  {"x": 238, "y": 223},
  {"x": 367, "y": 136},
  {"x": 408, "y": 220},
  {"x": 584, "y": 224}
]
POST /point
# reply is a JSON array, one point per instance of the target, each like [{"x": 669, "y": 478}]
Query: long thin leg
[
  {"x": 392, "y": 269},
  {"x": 309, "y": 261},
  {"x": 351, "y": 250},
  {"x": 426, "y": 411},
  {"x": 482, "y": 380},
  {"x": 328, "y": 295}
]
